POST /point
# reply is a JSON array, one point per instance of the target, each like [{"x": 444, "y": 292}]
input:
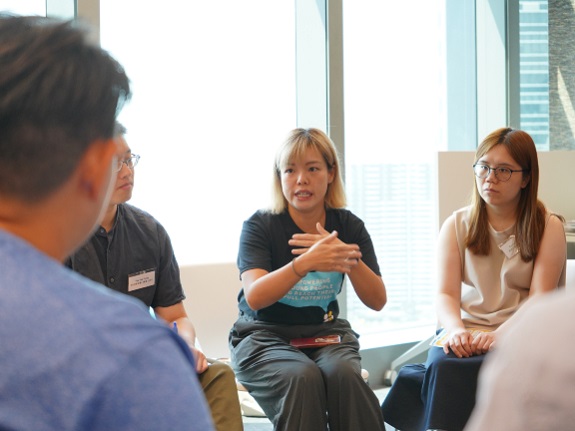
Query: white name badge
[
  {"x": 141, "y": 279},
  {"x": 508, "y": 247}
]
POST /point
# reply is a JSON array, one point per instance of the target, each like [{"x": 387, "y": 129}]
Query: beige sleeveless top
[{"x": 496, "y": 285}]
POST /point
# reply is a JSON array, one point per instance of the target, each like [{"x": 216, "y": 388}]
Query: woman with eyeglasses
[{"x": 495, "y": 254}]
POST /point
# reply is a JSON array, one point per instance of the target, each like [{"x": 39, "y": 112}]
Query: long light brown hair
[{"x": 530, "y": 222}]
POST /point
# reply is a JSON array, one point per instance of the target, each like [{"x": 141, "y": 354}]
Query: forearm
[
  {"x": 186, "y": 330},
  {"x": 449, "y": 312},
  {"x": 176, "y": 314},
  {"x": 263, "y": 288},
  {"x": 368, "y": 286}
]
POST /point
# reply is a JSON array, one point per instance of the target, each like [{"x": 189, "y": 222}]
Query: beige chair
[{"x": 570, "y": 276}]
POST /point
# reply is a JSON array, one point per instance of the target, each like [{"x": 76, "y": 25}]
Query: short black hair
[
  {"x": 58, "y": 94},
  {"x": 119, "y": 129}
]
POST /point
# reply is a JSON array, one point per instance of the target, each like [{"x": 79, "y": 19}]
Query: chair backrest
[
  {"x": 211, "y": 303},
  {"x": 570, "y": 276}
]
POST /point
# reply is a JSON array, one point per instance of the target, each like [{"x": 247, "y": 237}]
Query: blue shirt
[{"x": 77, "y": 356}]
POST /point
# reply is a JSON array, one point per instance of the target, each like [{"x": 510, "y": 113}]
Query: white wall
[{"x": 556, "y": 181}]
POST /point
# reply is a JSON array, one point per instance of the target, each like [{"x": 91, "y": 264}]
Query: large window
[
  {"x": 217, "y": 86},
  {"x": 214, "y": 96},
  {"x": 534, "y": 70},
  {"x": 396, "y": 121},
  {"x": 409, "y": 94},
  {"x": 24, "y": 7}
]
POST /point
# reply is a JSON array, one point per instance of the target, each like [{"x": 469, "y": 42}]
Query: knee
[
  {"x": 442, "y": 365},
  {"x": 222, "y": 370},
  {"x": 306, "y": 371},
  {"x": 220, "y": 374},
  {"x": 341, "y": 371},
  {"x": 298, "y": 375}
]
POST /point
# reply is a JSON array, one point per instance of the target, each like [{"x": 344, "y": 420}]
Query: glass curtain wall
[
  {"x": 395, "y": 122},
  {"x": 24, "y": 7},
  {"x": 534, "y": 71},
  {"x": 213, "y": 97},
  {"x": 409, "y": 94}
]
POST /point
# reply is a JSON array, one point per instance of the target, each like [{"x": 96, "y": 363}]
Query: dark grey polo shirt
[{"x": 135, "y": 257}]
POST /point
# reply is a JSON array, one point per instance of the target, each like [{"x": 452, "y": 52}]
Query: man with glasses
[{"x": 131, "y": 253}]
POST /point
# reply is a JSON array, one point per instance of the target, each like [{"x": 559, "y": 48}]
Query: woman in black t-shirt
[{"x": 293, "y": 260}]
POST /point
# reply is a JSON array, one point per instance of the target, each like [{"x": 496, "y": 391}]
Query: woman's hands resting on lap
[{"x": 463, "y": 345}]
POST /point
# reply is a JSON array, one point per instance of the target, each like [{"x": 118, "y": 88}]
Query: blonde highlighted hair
[{"x": 298, "y": 142}]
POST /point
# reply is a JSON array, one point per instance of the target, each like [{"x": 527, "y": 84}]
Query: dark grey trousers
[{"x": 304, "y": 390}]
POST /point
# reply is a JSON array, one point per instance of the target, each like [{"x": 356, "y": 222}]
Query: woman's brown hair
[{"x": 530, "y": 210}]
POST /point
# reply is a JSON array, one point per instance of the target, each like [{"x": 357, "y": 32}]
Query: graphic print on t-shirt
[{"x": 315, "y": 289}]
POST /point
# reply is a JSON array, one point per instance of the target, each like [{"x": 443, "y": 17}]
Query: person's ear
[
  {"x": 95, "y": 167},
  {"x": 331, "y": 174},
  {"x": 525, "y": 180}
]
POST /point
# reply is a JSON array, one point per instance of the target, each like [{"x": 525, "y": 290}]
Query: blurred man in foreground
[{"x": 75, "y": 355}]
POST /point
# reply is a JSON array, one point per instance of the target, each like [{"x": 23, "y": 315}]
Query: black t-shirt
[
  {"x": 313, "y": 300},
  {"x": 136, "y": 258}
]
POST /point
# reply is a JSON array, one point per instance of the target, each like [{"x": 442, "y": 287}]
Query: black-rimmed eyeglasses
[
  {"x": 130, "y": 162},
  {"x": 502, "y": 174}
]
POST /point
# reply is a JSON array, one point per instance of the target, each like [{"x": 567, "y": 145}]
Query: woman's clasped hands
[
  {"x": 465, "y": 344},
  {"x": 324, "y": 251}
]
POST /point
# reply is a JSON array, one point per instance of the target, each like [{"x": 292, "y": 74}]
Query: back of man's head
[{"x": 58, "y": 94}]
